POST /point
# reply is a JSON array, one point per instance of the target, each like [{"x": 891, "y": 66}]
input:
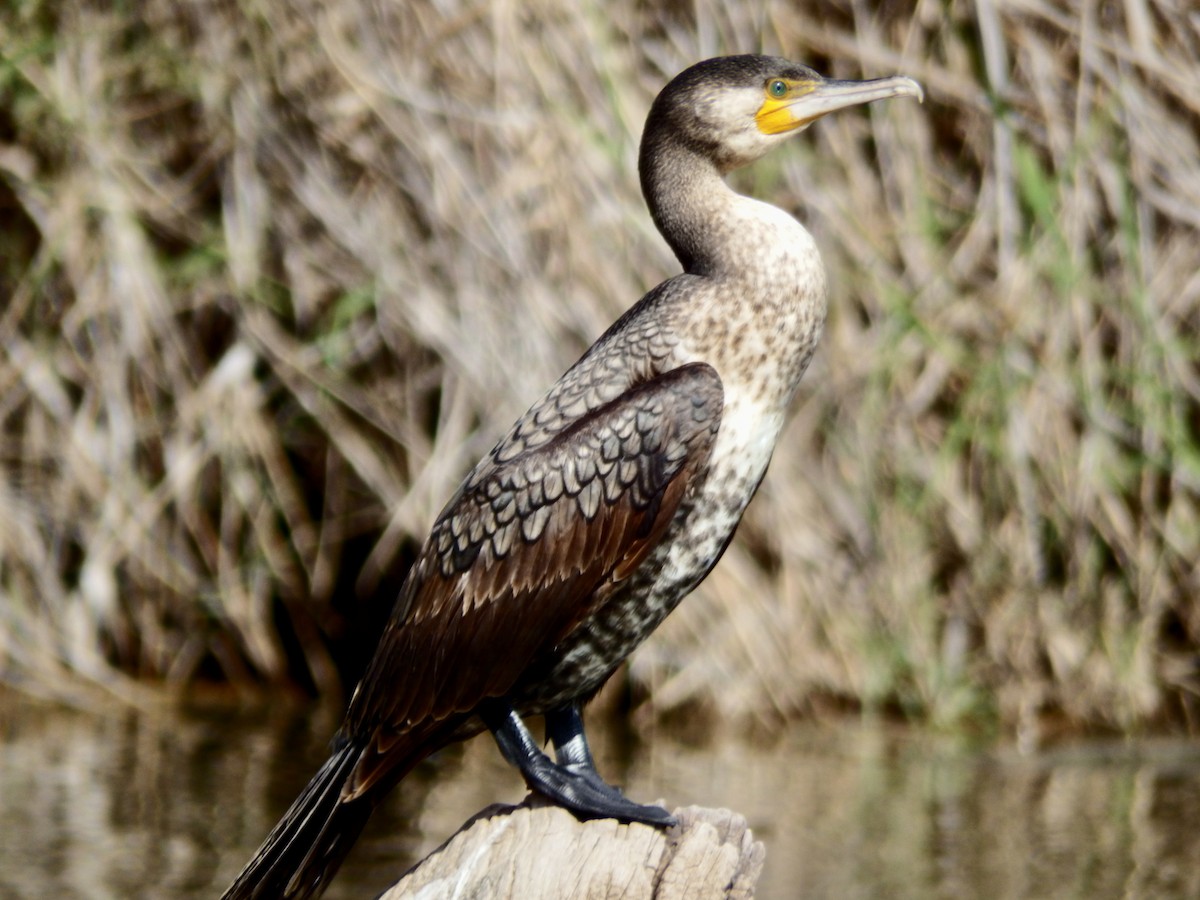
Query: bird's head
[{"x": 734, "y": 109}]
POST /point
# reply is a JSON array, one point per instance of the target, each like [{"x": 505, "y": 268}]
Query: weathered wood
[{"x": 537, "y": 851}]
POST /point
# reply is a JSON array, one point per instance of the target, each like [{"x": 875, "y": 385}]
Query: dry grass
[{"x": 277, "y": 274}]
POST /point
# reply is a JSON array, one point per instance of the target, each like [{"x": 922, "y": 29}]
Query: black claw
[
  {"x": 593, "y": 779},
  {"x": 589, "y": 797}
]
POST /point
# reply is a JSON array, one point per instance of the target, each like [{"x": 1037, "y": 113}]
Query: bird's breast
[
  {"x": 750, "y": 426},
  {"x": 691, "y": 547},
  {"x": 755, "y": 316}
]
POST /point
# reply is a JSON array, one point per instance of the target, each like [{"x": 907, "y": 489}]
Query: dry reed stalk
[{"x": 279, "y": 274}]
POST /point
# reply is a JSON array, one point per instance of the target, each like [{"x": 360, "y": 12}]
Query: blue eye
[{"x": 777, "y": 88}]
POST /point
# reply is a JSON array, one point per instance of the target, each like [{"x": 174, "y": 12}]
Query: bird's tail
[{"x": 302, "y": 852}]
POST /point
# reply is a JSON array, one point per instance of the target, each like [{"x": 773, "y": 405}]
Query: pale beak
[{"x": 827, "y": 95}]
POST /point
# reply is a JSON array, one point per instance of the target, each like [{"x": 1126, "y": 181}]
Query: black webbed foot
[{"x": 571, "y": 779}]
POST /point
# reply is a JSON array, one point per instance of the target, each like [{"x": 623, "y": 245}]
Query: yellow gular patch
[{"x": 775, "y": 115}]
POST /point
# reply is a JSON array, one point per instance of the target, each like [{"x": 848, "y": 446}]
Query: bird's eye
[{"x": 777, "y": 88}]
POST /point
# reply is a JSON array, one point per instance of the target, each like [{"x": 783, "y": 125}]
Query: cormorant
[{"x": 610, "y": 499}]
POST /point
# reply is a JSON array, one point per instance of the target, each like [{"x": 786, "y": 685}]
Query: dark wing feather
[{"x": 514, "y": 561}]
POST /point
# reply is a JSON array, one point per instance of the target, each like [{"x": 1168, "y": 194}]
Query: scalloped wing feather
[{"x": 523, "y": 552}]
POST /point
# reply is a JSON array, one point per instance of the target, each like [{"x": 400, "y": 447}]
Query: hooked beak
[{"x": 807, "y": 101}]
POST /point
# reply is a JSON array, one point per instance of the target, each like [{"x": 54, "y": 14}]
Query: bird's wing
[{"x": 515, "y": 559}]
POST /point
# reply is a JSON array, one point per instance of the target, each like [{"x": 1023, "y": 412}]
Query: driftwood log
[{"x": 536, "y": 851}]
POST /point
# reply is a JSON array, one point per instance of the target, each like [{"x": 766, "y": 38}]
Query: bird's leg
[
  {"x": 564, "y": 728},
  {"x": 573, "y": 784}
]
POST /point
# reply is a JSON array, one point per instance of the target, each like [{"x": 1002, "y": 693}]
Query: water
[{"x": 110, "y": 803}]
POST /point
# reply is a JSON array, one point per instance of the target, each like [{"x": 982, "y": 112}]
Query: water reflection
[{"x": 114, "y": 803}]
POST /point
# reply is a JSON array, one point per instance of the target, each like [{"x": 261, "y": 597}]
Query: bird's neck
[
  {"x": 760, "y": 316},
  {"x": 688, "y": 199},
  {"x": 714, "y": 230}
]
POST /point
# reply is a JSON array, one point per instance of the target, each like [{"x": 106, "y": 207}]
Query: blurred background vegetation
[{"x": 275, "y": 274}]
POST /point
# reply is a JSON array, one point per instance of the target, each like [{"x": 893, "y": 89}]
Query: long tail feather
[{"x": 302, "y": 852}]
